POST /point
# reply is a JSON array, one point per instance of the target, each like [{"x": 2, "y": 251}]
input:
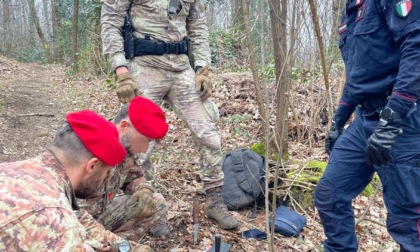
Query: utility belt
[
  {"x": 138, "y": 47},
  {"x": 147, "y": 46},
  {"x": 375, "y": 103}
]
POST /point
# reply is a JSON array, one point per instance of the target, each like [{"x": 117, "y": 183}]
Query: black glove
[
  {"x": 335, "y": 131},
  {"x": 378, "y": 149}
]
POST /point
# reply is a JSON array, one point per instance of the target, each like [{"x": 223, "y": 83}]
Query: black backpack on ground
[{"x": 244, "y": 182}]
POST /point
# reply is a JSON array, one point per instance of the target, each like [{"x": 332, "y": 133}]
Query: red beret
[
  {"x": 98, "y": 135},
  {"x": 147, "y": 118}
]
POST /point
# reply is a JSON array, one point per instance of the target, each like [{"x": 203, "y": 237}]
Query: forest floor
[{"x": 34, "y": 99}]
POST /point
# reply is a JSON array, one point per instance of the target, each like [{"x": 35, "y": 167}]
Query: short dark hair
[
  {"x": 67, "y": 141},
  {"x": 122, "y": 114}
]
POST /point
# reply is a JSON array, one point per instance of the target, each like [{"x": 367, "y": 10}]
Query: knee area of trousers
[
  {"x": 161, "y": 206},
  {"x": 213, "y": 142},
  {"x": 324, "y": 195}
]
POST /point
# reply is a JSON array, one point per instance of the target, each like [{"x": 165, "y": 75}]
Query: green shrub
[{"x": 258, "y": 148}]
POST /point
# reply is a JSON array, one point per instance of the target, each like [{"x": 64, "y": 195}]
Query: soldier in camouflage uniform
[
  {"x": 38, "y": 195},
  {"x": 160, "y": 69},
  {"x": 126, "y": 204}
]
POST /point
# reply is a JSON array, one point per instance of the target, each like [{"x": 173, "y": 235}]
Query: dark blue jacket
[{"x": 380, "y": 46}]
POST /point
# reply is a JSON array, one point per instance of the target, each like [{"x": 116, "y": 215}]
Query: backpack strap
[
  {"x": 223, "y": 160},
  {"x": 238, "y": 168}
]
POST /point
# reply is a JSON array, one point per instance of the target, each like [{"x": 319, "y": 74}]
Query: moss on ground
[{"x": 313, "y": 171}]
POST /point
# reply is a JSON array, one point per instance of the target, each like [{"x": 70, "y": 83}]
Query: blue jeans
[{"x": 347, "y": 175}]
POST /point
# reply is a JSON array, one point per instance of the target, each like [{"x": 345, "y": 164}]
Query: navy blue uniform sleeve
[
  {"x": 403, "y": 19},
  {"x": 345, "y": 108}
]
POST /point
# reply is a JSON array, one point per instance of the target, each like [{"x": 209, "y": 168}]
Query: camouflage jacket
[
  {"x": 150, "y": 17},
  {"x": 96, "y": 235},
  {"x": 123, "y": 179},
  {"x": 36, "y": 212}
]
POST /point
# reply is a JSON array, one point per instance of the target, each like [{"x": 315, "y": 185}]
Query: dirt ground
[
  {"x": 34, "y": 99},
  {"x": 30, "y": 109}
]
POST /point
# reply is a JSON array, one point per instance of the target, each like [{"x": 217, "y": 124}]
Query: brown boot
[{"x": 217, "y": 211}]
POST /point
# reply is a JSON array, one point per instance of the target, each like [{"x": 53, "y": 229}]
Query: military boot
[
  {"x": 217, "y": 211},
  {"x": 161, "y": 230}
]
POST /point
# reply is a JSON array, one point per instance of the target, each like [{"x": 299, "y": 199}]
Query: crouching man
[
  {"x": 37, "y": 196},
  {"x": 126, "y": 204}
]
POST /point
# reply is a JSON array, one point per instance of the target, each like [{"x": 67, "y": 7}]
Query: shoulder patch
[
  {"x": 360, "y": 13},
  {"x": 342, "y": 28},
  {"x": 403, "y": 8}
]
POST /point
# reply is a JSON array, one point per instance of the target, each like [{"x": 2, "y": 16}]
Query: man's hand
[
  {"x": 378, "y": 149},
  {"x": 127, "y": 89},
  {"x": 143, "y": 201},
  {"x": 333, "y": 135},
  {"x": 203, "y": 83}
]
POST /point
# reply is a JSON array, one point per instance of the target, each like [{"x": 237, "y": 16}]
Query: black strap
[
  {"x": 128, "y": 35},
  {"x": 374, "y": 103},
  {"x": 153, "y": 47}
]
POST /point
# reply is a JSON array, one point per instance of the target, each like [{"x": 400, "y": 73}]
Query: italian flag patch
[{"x": 403, "y": 8}]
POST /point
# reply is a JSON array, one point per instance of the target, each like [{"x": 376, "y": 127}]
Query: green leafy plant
[
  {"x": 304, "y": 74},
  {"x": 269, "y": 71},
  {"x": 31, "y": 55},
  {"x": 225, "y": 49}
]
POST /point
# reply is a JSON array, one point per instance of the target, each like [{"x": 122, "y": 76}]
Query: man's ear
[
  {"x": 124, "y": 126},
  {"x": 92, "y": 165}
]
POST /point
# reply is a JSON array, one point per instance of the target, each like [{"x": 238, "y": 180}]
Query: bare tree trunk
[
  {"x": 6, "y": 28},
  {"x": 337, "y": 7},
  {"x": 58, "y": 49},
  {"x": 267, "y": 125},
  {"x": 325, "y": 70},
  {"x": 39, "y": 31},
  {"x": 260, "y": 98},
  {"x": 268, "y": 216},
  {"x": 293, "y": 26},
  {"x": 278, "y": 18},
  {"x": 315, "y": 20},
  {"x": 283, "y": 88},
  {"x": 97, "y": 47},
  {"x": 74, "y": 31},
  {"x": 238, "y": 14},
  {"x": 279, "y": 34},
  {"x": 23, "y": 21},
  {"x": 46, "y": 18}
]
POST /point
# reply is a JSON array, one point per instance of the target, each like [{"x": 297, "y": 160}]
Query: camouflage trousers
[
  {"x": 178, "y": 89},
  {"x": 114, "y": 219}
]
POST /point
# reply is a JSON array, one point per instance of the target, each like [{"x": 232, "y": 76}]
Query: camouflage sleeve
[
  {"x": 198, "y": 33},
  {"x": 112, "y": 20},
  {"x": 53, "y": 229},
  {"x": 133, "y": 173},
  {"x": 96, "y": 235},
  {"x": 134, "y": 185},
  {"x": 70, "y": 234}
]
